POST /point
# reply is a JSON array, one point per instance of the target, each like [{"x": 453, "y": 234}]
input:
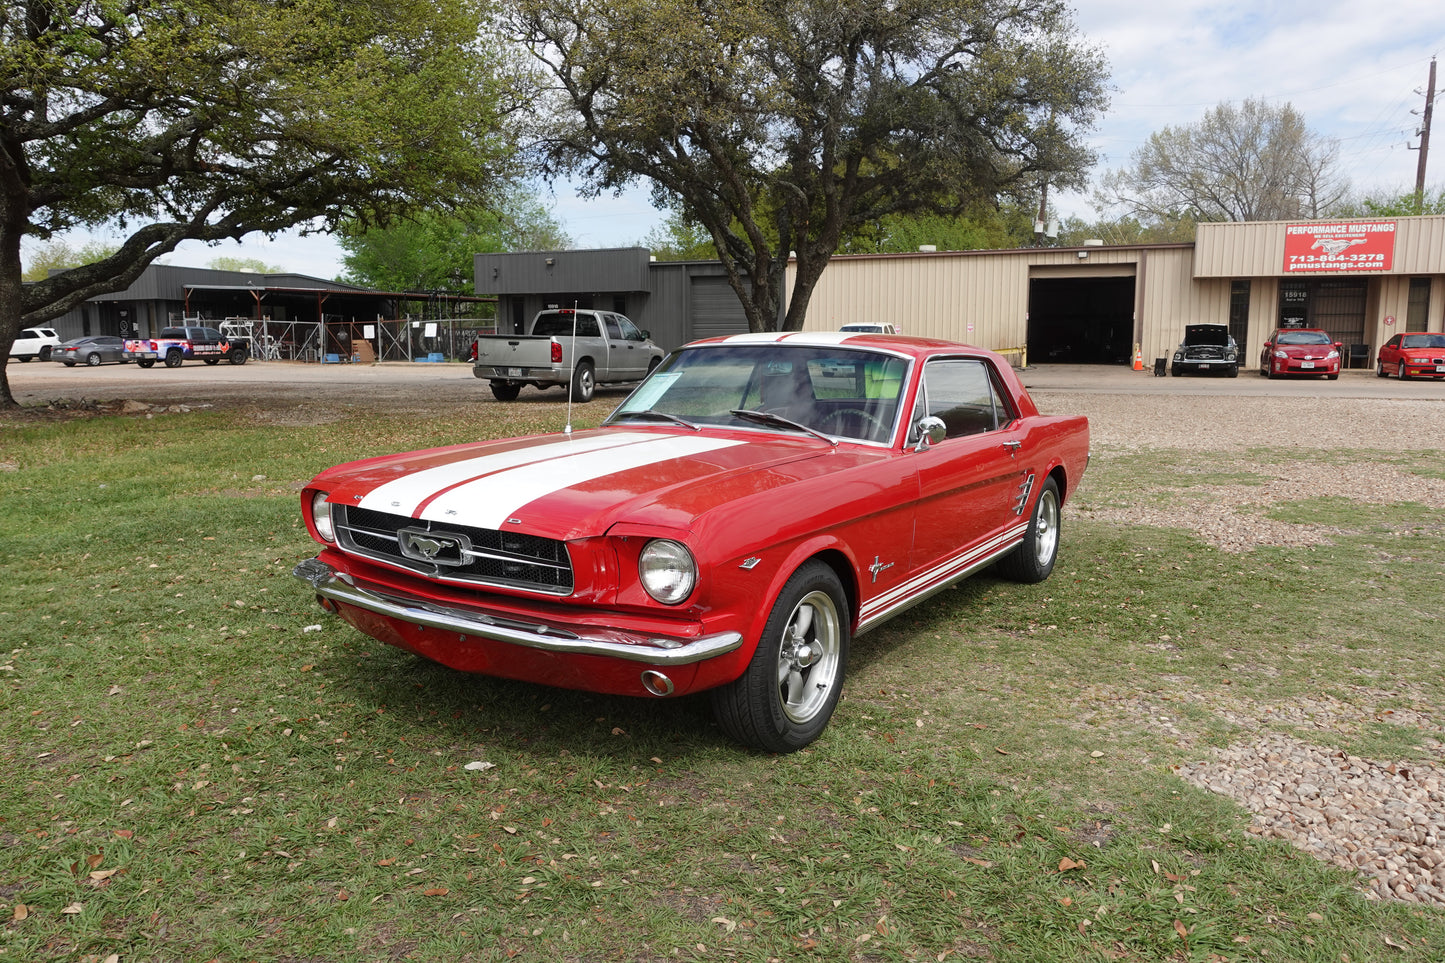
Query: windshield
[
  {"x": 1304, "y": 337},
  {"x": 1423, "y": 341},
  {"x": 838, "y": 392}
]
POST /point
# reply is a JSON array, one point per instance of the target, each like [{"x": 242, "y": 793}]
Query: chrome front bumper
[{"x": 612, "y": 643}]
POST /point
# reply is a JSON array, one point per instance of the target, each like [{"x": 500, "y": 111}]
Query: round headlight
[
  {"x": 667, "y": 570},
  {"x": 321, "y": 516}
]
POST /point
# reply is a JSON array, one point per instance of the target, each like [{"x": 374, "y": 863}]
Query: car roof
[{"x": 899, "y": 343}]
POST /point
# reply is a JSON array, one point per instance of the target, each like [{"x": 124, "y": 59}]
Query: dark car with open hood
[{"x": 1206, "y": 348}]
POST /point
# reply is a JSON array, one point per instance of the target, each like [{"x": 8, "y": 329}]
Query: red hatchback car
[
  {"x": 1304, "y": 351},
  {"x": 1412, "y": 356}
]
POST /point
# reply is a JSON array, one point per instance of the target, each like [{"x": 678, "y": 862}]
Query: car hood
[
  {"x": 578, "y": 485},
  {"x": 1211, "y": 334}
]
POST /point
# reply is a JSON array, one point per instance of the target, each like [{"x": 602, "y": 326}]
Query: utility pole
[{"x": 1425, "y": 141}]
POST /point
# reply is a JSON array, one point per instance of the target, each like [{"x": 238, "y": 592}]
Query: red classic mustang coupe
[{"x": 751, "y": 506}]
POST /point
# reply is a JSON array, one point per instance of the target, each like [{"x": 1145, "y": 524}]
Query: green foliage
[
  {"x": 252, "y": 265},
  {"x": 785, "y": 129},
  {"x": 432, "y": 249},
  {"x": 169, "y": 120},
  {"x": 679, "y": 239},
  {"x": 57, "y": 255},
  {"x": 1164, "y": 228},
  {"x": 986, "y": 227},
  {"x": 1404, "y": 204}
]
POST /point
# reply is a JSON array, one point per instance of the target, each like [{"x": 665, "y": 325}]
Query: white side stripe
[{"x": 488, "y": 502}]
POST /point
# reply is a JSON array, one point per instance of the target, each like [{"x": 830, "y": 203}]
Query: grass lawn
[{"x": 200, "y": 764}]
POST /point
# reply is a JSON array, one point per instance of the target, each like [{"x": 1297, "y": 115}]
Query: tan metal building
[{"x": 1363, "y": 281}]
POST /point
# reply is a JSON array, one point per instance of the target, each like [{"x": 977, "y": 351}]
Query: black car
[{"x": 1206, "y": 348}]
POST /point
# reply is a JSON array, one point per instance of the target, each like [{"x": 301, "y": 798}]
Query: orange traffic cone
[{"x": 1138, "y": 358}]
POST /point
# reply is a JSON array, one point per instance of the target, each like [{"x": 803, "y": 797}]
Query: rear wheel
[
  {"x": 92, "y": 359},
  {"x": 212, "y": 360},
  {"x": 145, "y": 362},
  {"x": 784, "y": 699},
  {"x": 239, "y": 355},
  {"x": 584, "y": 382},
  {"x": 174, "y": 358},
  {"x": 1034, "y": 559},
  {"x": 505, "y": 392}
]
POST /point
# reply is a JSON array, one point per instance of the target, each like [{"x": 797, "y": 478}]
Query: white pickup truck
[{"x": 578, "y": 349}]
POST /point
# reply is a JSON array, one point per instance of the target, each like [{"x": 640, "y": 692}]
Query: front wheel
[
  {"x": 1380, "y": 371},
  {"x": 1403, "y": 374},
  {"x": 785, "y": 697},
  {"x": 1034, "y": 559},
  {"x": 505, "y": 392},
  {"x": 212, "y": 361},
  {"x": 92, "y": 359},
  {"x": 584, "y": 382},
  {"x": 1232, "y": 371}
]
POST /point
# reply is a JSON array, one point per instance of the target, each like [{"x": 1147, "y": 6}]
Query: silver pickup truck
[{"x": 578, "y": 349}]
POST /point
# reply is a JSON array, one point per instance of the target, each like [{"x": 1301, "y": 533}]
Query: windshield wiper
[
  {"x": 770, "y": 418},
  {"x": 654, "y": 414}
]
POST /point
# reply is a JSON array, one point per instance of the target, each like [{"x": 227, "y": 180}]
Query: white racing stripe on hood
[
  {"x": 488, "y": 502},
  {"x": 406, "y": 494}
]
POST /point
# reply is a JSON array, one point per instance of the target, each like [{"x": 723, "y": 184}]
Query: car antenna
[{"x": 567, "y": 430}]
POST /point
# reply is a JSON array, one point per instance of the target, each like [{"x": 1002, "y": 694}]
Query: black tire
[
  {"x": 239, "y": 356},
  {"x": 1333, "y": 377},
  {"x": 1380, "y": 371},
  {"x": 1232, "y": 371},
  {"x": 784, "y": 699},
  {"x": 1176, "y": 371},
  {"x": 23, "y": 359},
  {"x": 1402, "y": 373},
  {"x": 505, "y": 392},
  {"x": 44, "y": 352},
  {"x": 92, "y": 359},
  {"x": 584, "y": 382},
  {"x": 145, "y": 362},
  {"x": 1269, "y": 371},
  {"x": 1034, "y": 559},
  {"x": 174, "y": 358},
  {"x": 211, "y": 360},
  {"x": 652, "y": 365}
]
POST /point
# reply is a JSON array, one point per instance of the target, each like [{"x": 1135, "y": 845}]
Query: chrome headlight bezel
[
  {"x": 667, "y": 571},
  {"x": 321, "y": 517}
]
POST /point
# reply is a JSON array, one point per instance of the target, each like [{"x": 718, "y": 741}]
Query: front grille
[
  {"x": 456, "y": 553},
  {"x": 1205, "y": 353}
]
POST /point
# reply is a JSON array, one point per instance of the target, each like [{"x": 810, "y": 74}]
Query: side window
[
  {"x": 614, "y": 332},
  {"x": 962, "y": 393},
  {"x": 630, "y": 331}
]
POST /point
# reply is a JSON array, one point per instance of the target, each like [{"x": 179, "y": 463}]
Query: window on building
[
  {"x": 1417, "y": 313},
  {"x": 1239, "y": 312}
]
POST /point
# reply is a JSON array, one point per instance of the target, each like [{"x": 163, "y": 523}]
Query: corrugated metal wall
[{"x": 1256, "y": 248}]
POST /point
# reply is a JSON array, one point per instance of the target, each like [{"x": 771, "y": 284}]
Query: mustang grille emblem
[{"x": 433, "y": 547}]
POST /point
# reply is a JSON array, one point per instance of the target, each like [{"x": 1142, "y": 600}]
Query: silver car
[{"x": 92, "y": 350}]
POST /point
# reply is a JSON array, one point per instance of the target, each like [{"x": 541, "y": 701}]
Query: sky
[{"x": 1356, "y": 70}]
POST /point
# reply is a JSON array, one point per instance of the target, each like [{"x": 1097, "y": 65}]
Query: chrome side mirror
[{"x": 931, "y": 430}]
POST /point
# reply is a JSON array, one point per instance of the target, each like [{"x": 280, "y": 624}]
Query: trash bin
[{"x": 1159, "y": 366}]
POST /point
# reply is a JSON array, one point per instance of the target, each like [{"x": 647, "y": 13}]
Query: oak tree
[
  {"x": 783, "y": 126},
  {"x": 169, "y": 120}
]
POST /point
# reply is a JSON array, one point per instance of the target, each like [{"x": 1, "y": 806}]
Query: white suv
[{"x": 34, "y": 343}]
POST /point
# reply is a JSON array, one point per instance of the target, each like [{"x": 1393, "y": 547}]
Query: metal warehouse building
[{"x": 1362, "y": 281}]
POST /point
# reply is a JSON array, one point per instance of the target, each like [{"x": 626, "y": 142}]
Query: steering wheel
[{"x": 877, "y": 425}]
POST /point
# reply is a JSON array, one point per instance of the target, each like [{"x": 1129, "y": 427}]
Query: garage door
[
  {"x": 713, "y": 309},
  {"x": 1081, "y": 320}
]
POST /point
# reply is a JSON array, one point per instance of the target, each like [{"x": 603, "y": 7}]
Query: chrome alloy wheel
[
  {"x": 1046, "y": 526},
  {"x": 809, "y": 657}
]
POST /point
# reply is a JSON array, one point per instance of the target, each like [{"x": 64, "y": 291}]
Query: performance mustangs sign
[{"x": 1339, "y": 246}]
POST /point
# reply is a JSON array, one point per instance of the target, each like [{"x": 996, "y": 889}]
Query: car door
[
  {"x": 622, "y": 355},
  {"x": 1390, "y": 352},
  {"x": 972, "y": 483}
]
